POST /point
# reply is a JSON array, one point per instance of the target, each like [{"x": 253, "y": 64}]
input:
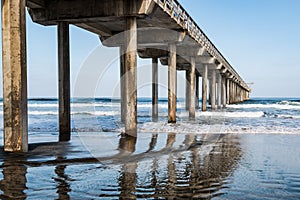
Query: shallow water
[{"x": 164, "y": 165}]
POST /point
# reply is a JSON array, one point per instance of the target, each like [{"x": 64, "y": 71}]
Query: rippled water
[{"x": 164, "y": 165}]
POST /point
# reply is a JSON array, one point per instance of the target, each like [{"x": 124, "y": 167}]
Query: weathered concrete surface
[
  {"x": 14, "y": 76},
  {"x": 172, "y": 84},
  {"x": 130, "y": 76},
  {"x": 64, "y": 82}
]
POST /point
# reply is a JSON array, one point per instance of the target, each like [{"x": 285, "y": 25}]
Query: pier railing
[{"x": 176, "y": 12}]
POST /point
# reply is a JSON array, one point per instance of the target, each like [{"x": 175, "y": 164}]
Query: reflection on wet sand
[
  {"x": 161, "y": 166},
  {"x": 198, "y": 172},
  {"x": 14, "y": 181},
  {"x": 128, "y": 176},
  {"x": 63, "y": 187}
]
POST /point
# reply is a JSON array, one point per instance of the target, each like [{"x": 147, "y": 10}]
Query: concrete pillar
[
  {"x": 204, "y": 88},
  {"x": 172, "y": 83},
  {"x": 233, "y": 93},
  {"x": 14, "y": 76},
  {"x": 154, "y": 89},
  {"x": 197, "y": 92},
  {"x": 122, "y": 84},
  {"x": 227, "y": 91},
  {"x": 213, "y": 90},
  {"x": 219, "y": 96},
  {"x": 187, "y": 89},
  {"x": 130, "y": 76},
  {"x": 64, "y": 81},
  {"x": 192, "y": 75},
  {"x": 224, "y": 92}
]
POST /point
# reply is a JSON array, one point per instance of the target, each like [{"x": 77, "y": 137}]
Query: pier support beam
[
  {"x": 213, "y": 90},
  {"x": 219, "y": 96},
  {"x": 172, "y": 83},
  {"x": 224, "y": 92},
  {"x": 64, "y": 81},
  {"x": 14, "y": 76},
  {"x": 130, "y": 76},
  {"x": 227, "y": 91},
  {"x": 192, "y": 76},
  {"x": 187, "y": 89},
  {"x": 122, "y": 84},
  {"x": 154, "y": 89},
  {"x": 197, "y": 92},
  {"x": 204, "y": 88}
]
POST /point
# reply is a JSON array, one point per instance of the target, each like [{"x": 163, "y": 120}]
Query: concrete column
[
  {"x": 227, "y": 91},
  {"x": 224, "y": 92},
  {"x": 172, "y": 82},
  {"x": 204, "y": 88},
  {"x": 219, "y": 96},
  {"x": 14, "y": 67},
  {"x": 197, "y": 92},
  {"x": 187, "y": 89},
  {"x": 64, "y": 81},
  {"x": 192, "y": 75},
  {"x": 233, "y": 93},
  {"x": 154, "y": 89},
  {"x": 122, "y": 84},
  {"x": 213, "y": 90},
  {"x": 130, "y": 76}
]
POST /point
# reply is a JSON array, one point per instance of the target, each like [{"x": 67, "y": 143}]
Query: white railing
[{"x": 174, "y": 9}]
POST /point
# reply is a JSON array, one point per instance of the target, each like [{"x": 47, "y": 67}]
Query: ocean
[{"x": 246, "y": 151}]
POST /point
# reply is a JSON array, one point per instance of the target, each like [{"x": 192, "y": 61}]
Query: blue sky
[{"x": 260, "y": 38}]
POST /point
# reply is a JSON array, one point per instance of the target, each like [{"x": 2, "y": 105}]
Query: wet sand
[{"x": 164, "y": 165}]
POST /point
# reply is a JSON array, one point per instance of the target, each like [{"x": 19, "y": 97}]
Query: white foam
[
  {"x": 274, "y": 106},
  {"x": 186, "y": 127},
  {"x": 232, "y": 114}
]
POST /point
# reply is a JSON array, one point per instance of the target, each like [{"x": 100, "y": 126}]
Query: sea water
[{"x": 246, "y": 151}]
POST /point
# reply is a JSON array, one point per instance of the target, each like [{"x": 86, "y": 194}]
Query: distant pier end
[{"x": 156, "y": 29}]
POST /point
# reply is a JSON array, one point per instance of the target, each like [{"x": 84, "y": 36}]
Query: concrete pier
[
  {"x": 130, "y": 76},
  {"x": 154, "y": 89},
  {"x": 197, "y": 93},
  {"x": 122, "y": 84},
  {"x": 192, "y": 76},
  {"x": 152, "y": 29},
  {"x": 14, "y": 76},
  {"x": 227, "y": 91},
  {"x": 64, "y": 81},
  {"x": 224, "y": 101},
  {"x": 172, "y": 84},
  {"x": 187, "y": 89},
  {"x": 219, "y": 90},
  {"x": 204, "y": 88},
  {"x": 213, "y": 90}
]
